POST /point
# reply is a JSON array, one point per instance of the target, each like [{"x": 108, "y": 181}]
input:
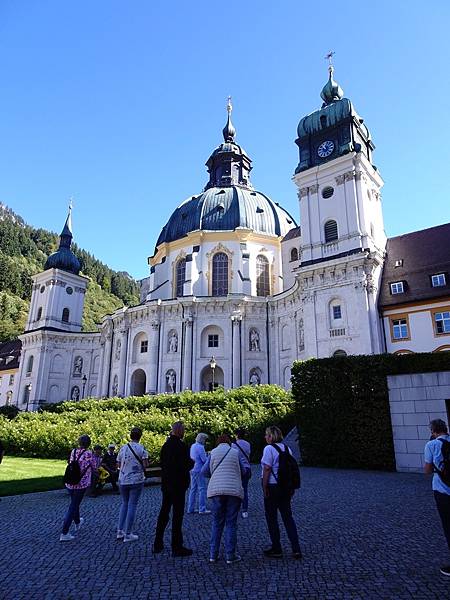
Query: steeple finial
[
  {"x": 332, "y": 91},
  {"x": 229, "y": 131}
]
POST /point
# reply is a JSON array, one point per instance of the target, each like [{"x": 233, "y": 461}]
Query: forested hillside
[{"x": 23, "y": 252}]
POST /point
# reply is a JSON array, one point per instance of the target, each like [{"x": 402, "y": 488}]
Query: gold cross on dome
[
  {"x": 229, "y": 105},
  {"x": 329, "y": 57}
]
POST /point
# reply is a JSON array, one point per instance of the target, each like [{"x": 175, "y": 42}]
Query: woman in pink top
[{"x": 86, "y": 461}]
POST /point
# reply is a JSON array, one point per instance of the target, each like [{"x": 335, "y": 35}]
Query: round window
[
  {"x": 42, "y": 290},
  {"x": 69, "y": 290},
  {"x": 327, "y": 192}
]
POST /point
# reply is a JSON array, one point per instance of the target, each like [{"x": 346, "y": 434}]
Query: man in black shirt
[
  {"x": 109, "y": 463},
  {"x": 175, "y": 478}
]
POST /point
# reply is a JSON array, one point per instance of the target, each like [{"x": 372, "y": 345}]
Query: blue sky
[{"x": 119, "y": 104}]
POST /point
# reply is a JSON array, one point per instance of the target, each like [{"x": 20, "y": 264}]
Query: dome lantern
[{"x": 64, "y": 258}]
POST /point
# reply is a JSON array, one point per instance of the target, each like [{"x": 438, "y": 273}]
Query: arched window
[
  {"x": 340, "y": 353},
  {"x": 331, "y": 231},
  {"x": 65, "y": 315},
  {"x": 294, "y": 254},
  {"x": 39, "y": 314},
  {"x": 220, "y": 274},
  {"x": 180, "y": 276},
  {"x": 30, "y": 365},
  {"x": 262, "y": 276}
]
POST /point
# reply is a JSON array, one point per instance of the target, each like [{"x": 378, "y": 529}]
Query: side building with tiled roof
[
  {"x": 414, "y": 299},
  {"x": 9, "y": 368}
]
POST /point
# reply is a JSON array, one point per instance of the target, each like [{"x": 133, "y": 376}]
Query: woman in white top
[
  {"x": 132, "y": 461},
  {"x": 274, "y": 498}
]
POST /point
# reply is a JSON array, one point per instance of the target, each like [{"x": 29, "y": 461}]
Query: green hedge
[
  {"x": 52, "y": 432},
  {"x": 342, "y": 407}
]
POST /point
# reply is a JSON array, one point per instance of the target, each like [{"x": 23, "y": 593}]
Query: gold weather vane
[{"x": 329, "y": 57}]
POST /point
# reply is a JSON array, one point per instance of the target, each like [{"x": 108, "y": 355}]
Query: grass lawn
[{"x": 24, "y": 475}]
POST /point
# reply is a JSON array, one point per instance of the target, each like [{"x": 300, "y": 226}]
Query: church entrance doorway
[
  {"x": 206, "y": 378},
  {"x": 138, "y": 383}
]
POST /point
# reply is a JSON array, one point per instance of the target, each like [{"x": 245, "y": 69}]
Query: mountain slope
[{"x": 23, "y": 252}]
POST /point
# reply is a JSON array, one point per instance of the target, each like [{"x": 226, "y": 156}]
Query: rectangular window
[
  {"x": 11, "y": 380},
  {"x": 438, "y": 280},
  {"x": 213, "y": 340},
  {"x": 144, "y": 346},
  {"x": 337, "y": 313},
  {"x": 442, "y": 320},
  {"x": 397, "y": 287},
  {"x": 399, "y": 329}
]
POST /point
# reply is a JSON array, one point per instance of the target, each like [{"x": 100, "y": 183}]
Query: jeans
[
  {"x": 245, "y": 480},
  {"x": 275, "y": 502},
  {"x": 175, "y": 499},
  {"x": 443, "y": 506},
  {"x": 225, "y": 511},
  {"x": 130, "y": 495},
  {"x": 73, "y": 512},
  {"x": 198, "y": 485}
]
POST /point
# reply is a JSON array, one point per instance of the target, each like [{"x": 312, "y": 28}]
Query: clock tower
[{"x": 342, "y": 232}]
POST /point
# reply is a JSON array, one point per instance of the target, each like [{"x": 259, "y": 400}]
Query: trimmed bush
[
  {"x": 342, "y": 407},
  {"x": 53, "y": 431}
]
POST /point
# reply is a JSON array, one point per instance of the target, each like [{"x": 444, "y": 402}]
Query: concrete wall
[{"x": 414, "y": 401}]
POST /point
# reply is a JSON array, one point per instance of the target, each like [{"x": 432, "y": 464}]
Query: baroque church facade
[{"x": 237, "y": 290}]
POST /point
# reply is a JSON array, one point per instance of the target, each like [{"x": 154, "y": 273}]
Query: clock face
[{"x": 325, "y": 149}]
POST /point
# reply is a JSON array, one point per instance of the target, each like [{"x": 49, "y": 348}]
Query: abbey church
[{"x": 239, "y": 289}]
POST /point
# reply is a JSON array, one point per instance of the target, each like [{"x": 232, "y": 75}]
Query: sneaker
[
  {"x": 180, "y": 552},
  {"x": 271, "y": 553},
  {"x": 445, "y": 570},
  {"x": 245, "y": 515},
  {"x": 120, "y": 534},
  {"x": 204, "y": 512},
  {"x": 234, "y": 559},
  {"x": 78, "y": 525},
  {"x": 66, "y": 537},
  {"x": 298, "y": 556},
  {"x": 130, "y": 537}
]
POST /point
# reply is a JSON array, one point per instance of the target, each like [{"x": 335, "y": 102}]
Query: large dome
[{"x": 226, "y": 209}]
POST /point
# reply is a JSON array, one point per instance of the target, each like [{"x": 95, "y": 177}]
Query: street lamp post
[
  {"x": 83, "y": 379},
  {"x": 28, "y": 387},
  {"x": 212, "y": 364}
]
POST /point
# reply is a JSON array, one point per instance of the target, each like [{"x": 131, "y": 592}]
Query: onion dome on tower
[
  {"x": 228, "y": 200},
  {"x": 333, "y": 130},
  {"x": 64, "y": 258}
]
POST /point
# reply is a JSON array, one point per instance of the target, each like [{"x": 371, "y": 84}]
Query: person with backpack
[
  {"x": 437, "y": 461},
  {"x": 225, "y": 467},
  {"x": 280, "y": 479},
  {"x": 132, "y": 461},
  {"x": 244, "y": 449},
  {"x": 77, "y": 479}
]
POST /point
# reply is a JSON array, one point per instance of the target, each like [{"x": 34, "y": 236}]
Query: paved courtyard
[{"x": 364, "y": 535}]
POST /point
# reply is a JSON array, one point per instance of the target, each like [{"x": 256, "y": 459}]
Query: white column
[
  {"x": 106, "y": 362},
  {"x": 153, "y": 357},
  {"x": 187, "y": 355},
  {"x": 123, "y": 359},
  {"x": 236, "y": 368}
]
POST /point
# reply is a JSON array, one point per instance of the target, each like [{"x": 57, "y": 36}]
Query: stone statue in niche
[
  {"x": 173, "y": 342},
  {"x": 77, "y": 366},
  {"x": 301, "y": 336},
  {"x": 115, "y": 387},
  {"x": 118, "y": 349},
  {"x": 171, "y": 381},
  {"x": 254, "y": 341},
  {"x": 75, "y": 393},
  {"x": 254, "y": 378}
]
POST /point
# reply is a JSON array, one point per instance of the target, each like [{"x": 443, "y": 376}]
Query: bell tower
[
  {"x": 342, "y": 241},
  {"x": 57, "y": 299},
  {"x": 338, "y": 185}
]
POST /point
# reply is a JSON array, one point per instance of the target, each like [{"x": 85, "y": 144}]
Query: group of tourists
[{"x": 220, "y": 478}]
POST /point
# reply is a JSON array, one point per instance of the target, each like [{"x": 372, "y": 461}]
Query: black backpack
[
  {"x": 444, "y": 473},
  {"x": 72, "y": 474},
  {"x": 288, "y": 477}
]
